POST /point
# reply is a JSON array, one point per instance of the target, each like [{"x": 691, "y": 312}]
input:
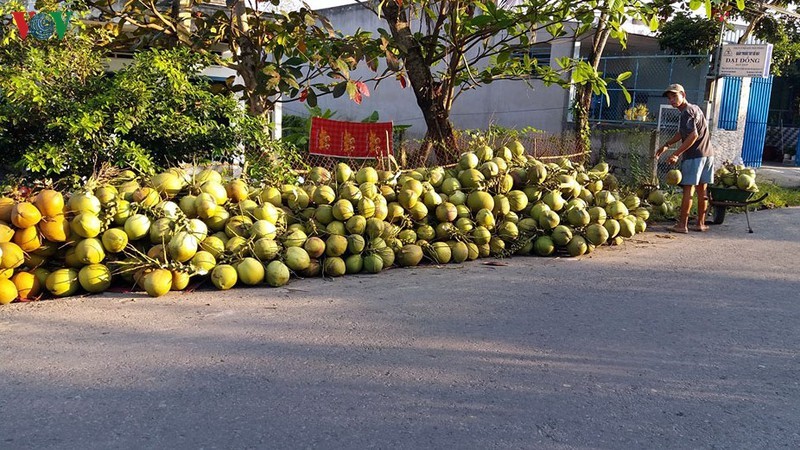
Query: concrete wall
[
  {"x": 514, "y": 104},
  {"x": 728, "y": 143}
]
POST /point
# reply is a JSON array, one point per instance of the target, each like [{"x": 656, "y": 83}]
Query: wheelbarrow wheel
[{"x": 719, "y": 214}]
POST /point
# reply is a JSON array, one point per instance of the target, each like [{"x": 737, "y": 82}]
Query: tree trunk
[
  {"x": 430, "y": 96},
  {"x": 249, "y": 58},
  {"x": 583, "y": 97}
]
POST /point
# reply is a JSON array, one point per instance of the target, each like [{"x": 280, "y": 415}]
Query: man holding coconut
[{"x": 697, "y": 165}]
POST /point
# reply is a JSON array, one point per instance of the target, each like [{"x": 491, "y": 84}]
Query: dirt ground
[{"x": 687, "y": 341}]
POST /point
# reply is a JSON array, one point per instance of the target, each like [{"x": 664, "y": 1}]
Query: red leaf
[
  {"x": 402, "y": 80},
  {"x": 362, "y": 88},
  {"x": 303, "y": 94},
  {"x": 357, "y": 98}
]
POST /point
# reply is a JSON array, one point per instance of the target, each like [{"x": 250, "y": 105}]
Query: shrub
[{"x": 61, "y": 115}]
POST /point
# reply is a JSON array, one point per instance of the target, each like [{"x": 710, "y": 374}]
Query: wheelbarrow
[{"x": 720, "y": 198}]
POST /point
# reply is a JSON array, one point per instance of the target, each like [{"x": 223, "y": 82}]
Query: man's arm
[
  {"x": 670, "y": 142},
  {"x": 690, "y": 139}
]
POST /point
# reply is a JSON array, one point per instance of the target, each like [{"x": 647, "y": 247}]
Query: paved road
[{"x": 665, "y": 342}]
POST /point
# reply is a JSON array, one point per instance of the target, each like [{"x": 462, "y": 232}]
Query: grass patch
[{"x": 779, "y": 197}]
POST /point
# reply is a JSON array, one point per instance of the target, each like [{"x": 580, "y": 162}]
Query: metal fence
[{"x": 649, "y": 76}]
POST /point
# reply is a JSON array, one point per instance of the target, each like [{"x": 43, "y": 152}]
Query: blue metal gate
[
  {"x": 755, "y": 128},
  {"x": 729, "y": 107}
]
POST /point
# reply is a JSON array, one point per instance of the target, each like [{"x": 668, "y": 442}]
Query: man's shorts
[{"x": 697, "y": 171}]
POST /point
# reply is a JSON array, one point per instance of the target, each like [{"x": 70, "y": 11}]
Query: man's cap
[{"x": 674, "y": 88}]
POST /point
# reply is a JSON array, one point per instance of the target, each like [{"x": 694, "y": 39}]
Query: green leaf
[
  {"x": 740, "y": 5},
  {"x": 480, "y": 21},
  {"x": 654, "y": 23},
  {"x": 626, "y": 93},
  {"x": 339, "y": 89},
  {"x": 311, "y": 98},
  {"x": 624, "y": 76}
]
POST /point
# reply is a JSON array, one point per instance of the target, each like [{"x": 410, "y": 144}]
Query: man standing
[{"x": 697, "y": 166}]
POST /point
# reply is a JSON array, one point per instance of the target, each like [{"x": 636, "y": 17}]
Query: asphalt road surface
[{"x": 669, "y": 341}]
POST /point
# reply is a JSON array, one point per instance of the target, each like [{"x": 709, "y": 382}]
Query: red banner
[{"x": 350, "y": 139}]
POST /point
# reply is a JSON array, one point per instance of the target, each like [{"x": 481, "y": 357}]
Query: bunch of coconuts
[{"x": 161, "y": 232}]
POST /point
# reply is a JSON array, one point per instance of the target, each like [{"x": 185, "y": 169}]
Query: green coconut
[
  {"x": 336, "y": 245},
  {"x": 115, "y": 240},
  {"x": 95, "y": 278},
  {"x": 203, "y": 262},
  {"x": 597, "y": 215},
  {"x": 295, "y": 238},
  {"x": 387, "y": 255},
  {"x": 297, "y": 259},
  {"x": 596, "y": 234},
  {"x": 354, "y": 264},
  {"x": 263, "y": 229},
  {"x": 449, "y": 186},
  {"x": 266, "y": 249},
  {"x": 343, "y": 210},
  {"x": 315, "y": 247},
  {"x": 577, "y": 246},
  {"x": 481, "y": 235},
  {"x": 631, "y": 201},
  {"x": 485, "y": 218},
  {"x": 613, "y": 227},
  {"x": 544, "y": 246},
  {"x": 158, "y": 282},
  {"x": 373, "y": 263},
  {"x": 554, "y": 200},
  {"x": 479, "y": 200},
  {"x": 517, "y": 200},
  {"x": 419, "y": 211},
  {"x": 537, "y": 210},
  {"x": 459, "y": 251},
  {"x": 334, "y": 266},
  {"x": 374, "y": 227},
  {"x": 250, "y": 271},
  {"x": 549, "y": 219},
  {"x": 627, "y": 228},
  {"x": 496, "y": 246},
  {"x": 439, "y": 252},
  {"x": 673, "y": 177},
  {"x": 656, "y": 197},
  {"x": 355, "y": 244},
  {"x": 224, "y": 276},
  {"x": 277, "y": 274},
  {"x": 468, "y": 160},
  {"x": 508, "y": 231},
  {"x": 409, "y": 255},
  {"x": 616, "y": 210},
  {"x": 578, "y": 217},
  {"x": 561, "y": 235},
  {"x": 90, "y": 251},
  {"x": 473, "y": 252}
]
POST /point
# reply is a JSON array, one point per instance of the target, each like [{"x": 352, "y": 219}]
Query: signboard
[
  {"x": 350, "y": 139},
  {"x": 745, "y": 60}
]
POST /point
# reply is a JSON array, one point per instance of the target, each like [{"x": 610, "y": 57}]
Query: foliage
[
  {"x": 60, "y": 115},
  {"x": 297, "y": 129},
  {"x": 496, "y": 136},
  {"x": 779, "y": 197},
  {"x": 278, "y": 55},
  {"x": 446, "y": 48},
  {"x": 274, "y": 164},
  {"x": 689, "y": 35}
]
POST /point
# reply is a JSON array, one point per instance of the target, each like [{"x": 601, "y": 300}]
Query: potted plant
[
  {"x": 640, "y": 111},
  {"x": 629, "y": 113}
]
